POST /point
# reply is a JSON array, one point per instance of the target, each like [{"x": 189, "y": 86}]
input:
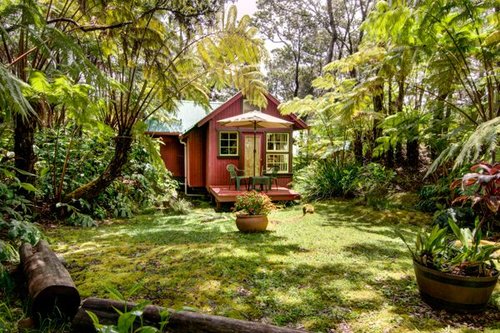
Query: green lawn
[{"x": 340, "y": 269}]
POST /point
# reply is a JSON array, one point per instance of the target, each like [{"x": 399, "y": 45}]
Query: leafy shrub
[
  {"x": 22, "y": 231},
  {"x": 374, "y": 182},
  {"x": 475, "y": 191},
  {"x": 433, "y": 196},
  {"x": 481, "y": 188},
  {"x": 326, "y": 179},
  {"x": 463, "y": 216},
  {"x": 253, "y": 203},
  {"x": 64, "y": 165},
  {"x": 15, "y": 216}
]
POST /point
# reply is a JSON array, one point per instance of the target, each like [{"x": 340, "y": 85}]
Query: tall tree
[
  {"x": 292, "y": 25},
  {"x": 163, "y": 56},
  {"x": 427, "y": 60},
  {"x": 309, "y": 35},
  {"x": 138, "y": 57}
]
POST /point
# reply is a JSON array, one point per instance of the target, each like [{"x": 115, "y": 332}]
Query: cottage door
[{"x": 249, "y": 155}]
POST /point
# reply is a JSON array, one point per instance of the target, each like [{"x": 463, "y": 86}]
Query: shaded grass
[{"x": 342, "y": 268}]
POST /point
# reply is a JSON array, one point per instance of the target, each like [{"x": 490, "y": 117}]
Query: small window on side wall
[{"x": 228, "y": 143}]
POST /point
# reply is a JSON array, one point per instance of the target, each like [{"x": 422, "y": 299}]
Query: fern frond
[
  {"x": 12, "y": 99},
  {"x": 480, "y": 142}
]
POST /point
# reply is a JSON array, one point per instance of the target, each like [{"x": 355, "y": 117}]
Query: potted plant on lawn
[
  {"x": 454, "y": 272},
  {"x": 251, "y": 211}
]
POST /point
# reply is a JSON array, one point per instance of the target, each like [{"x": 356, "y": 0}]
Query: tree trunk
[
  {"x": 389, "y": 157},
  {"x": 438, "y": 123},
  {"x": 400, "y": 160},
  {"x": 177, "y": 322},
  {"x": 89, "y": 191},
  {"x": 24, "y": 140},
  {"x": 378, "y": 107},
  {"x": 333, "y": 31},
  {"x": 358, "y": 147},
  {"x": 412, "y": 154},
  {"x": 50, "y": 287},
  {"x": 296, "y": 78},
  {"x": 399, "y": 108}
]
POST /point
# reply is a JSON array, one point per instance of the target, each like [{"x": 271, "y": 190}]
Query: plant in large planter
[
  {"x": 454, "y": 271},
  {"x": 251, "y": 211}
]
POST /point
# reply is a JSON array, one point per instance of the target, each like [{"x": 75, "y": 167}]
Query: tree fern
[
  {"x": 12, "y": 99},
  {"x": 483, "y": 141}
]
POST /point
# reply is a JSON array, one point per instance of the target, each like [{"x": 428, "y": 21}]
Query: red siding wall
[
  {"x": 216, "y": 167},
  {"x": 216, "y": 173},
  {"x": 172, "y": 153},
  {"x": 196, "y": 151}
]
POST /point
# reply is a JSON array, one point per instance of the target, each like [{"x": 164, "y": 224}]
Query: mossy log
[
  {"x": 177, "y": 322},
  {"x": 50, "y": 287}
]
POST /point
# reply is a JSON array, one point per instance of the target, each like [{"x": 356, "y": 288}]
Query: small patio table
[
  {"x": 263, "y": 181},
  {"x": 238, "y": 182}
]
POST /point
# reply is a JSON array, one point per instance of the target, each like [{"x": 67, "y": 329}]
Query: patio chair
[
  {"x": 273, "y": 174},
  {"x": 233, "y": 176}
]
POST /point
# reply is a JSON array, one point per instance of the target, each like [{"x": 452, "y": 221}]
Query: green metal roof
[{"x": 187, "y": 115}]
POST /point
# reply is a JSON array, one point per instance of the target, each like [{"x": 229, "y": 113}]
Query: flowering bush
[{"x": 254, "y": 203}]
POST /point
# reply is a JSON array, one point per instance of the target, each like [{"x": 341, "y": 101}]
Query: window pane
[
  {"x": 228, "y": 143},
  {"x": 279, "y": 161},
  {"x": 277, "y": 142}
]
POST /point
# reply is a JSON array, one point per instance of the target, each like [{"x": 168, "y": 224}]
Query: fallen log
[
  {"x": 177, "y": 322},
  {"x": 49, "y": 285}
]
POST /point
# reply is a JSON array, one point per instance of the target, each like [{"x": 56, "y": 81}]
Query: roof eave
[
  {"x": 215, "y": 112},
  {"x": 155, "y": 133}
]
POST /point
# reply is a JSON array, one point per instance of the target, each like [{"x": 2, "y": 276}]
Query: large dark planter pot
[
  {"x": 251, "y": 223},
  {"x": 453, "y": 292}
]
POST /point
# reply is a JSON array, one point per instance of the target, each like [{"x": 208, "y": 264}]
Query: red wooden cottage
[{"x": 199, "y": 151}]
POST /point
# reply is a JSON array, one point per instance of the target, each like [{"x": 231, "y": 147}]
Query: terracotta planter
[
  {"x": 453, "y": 292},
  {"x": 251, "y": 223}
]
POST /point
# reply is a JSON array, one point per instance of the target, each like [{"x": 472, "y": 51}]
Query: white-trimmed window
[
  {"x": 228, "y": 143},
  {"x": 279, "y": 161},
  {"x": 278, "y": 151},
  {"x": 278, "y": 142}
]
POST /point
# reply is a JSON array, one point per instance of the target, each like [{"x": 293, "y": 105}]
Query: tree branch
[{"x": 87, "y": 28}]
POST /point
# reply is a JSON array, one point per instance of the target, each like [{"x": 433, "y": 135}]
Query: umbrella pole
[{"x": 254, "y": 147}]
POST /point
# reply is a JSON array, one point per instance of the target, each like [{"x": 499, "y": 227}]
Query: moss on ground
[{"x": 342, "y": 268}]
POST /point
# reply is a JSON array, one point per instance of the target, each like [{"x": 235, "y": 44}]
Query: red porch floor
[{"x": 224, "y": 193}]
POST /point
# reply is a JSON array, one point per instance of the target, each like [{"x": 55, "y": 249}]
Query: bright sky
[
  {"x": 249, "y": 7},
  {"x": 246, "y": 7}
]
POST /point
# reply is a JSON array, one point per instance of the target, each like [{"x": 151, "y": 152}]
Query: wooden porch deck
[{"x": 226, "y": 193}]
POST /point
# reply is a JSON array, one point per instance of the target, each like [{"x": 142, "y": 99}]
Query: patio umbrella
[{"x": 255, "y": 119}]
